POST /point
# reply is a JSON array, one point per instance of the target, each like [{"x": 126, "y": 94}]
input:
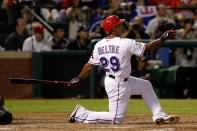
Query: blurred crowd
[{"x": 145, "y": 19}]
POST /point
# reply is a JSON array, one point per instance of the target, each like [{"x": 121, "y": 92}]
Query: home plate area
[{"x": 58, "y": 121}]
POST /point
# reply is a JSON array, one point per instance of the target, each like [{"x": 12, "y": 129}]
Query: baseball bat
[{"x": 36, "y": 81}]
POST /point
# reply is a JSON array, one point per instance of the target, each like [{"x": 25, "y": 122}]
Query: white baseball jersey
[{"x": 114, "y": 55}]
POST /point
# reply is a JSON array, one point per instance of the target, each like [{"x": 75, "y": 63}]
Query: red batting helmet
[{"x": 110, "y": 22}]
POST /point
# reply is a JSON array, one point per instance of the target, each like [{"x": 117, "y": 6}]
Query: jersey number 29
[{"x": 113, "y": 62}]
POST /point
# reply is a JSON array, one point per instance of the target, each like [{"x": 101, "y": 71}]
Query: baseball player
[{"x": 113, "y": 54}]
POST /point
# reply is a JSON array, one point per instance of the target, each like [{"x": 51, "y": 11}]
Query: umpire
[{"x": 5, "y": 115}]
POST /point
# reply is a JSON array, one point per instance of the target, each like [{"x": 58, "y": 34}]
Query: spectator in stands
[
  {"x": 179, "y": 21},
  {"x": 65, "y": 4},
  {"x": 187, "y": 57},
  {"x": 59, "y": 42},
  {"x": 73, "y": 15},
  {"x": 136, "y": 30},
  {"x": 113, "y": 8},
  {"x": 99, "y": 33},
  {"x": 37, "y": 43},
  {"x": 97, "y": 18},
  {"x": 14, "y": 8},
  {"x": 82, "y": 41},
  {"x": 127, "y": 10},
  {"x": 161, "y": 16},
  {"x": 13, "y": 11},
  {"x": 94, "y": 37},
  {"x": 50, "y": 14},
  {"x": 15, "y": 40},
  {"x": 195, "y": 20},
  {"x": 184, "y": 4},
  {"x": 76, "y": 15},
  {"x": 187, "y": 32},
  {"x": 157, "y": 2}
]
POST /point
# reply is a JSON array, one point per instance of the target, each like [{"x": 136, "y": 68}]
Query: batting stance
[{"x": 113, "y": 53}]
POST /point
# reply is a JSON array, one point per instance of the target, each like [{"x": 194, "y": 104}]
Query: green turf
[{"x": 136, "y": 106}]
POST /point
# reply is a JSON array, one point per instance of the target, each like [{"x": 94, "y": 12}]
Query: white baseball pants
[{"x": 119, "y": 92}]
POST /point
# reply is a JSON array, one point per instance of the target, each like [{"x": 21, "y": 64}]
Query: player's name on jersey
[{"x": 108, "y": 49}]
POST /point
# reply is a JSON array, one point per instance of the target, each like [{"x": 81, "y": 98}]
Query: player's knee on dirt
[
  {"x": 118, "y": 119},
  {"x": 6, "y": 118}
]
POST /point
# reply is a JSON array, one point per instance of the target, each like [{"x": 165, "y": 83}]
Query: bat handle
[{"x": 56, "y": 82}]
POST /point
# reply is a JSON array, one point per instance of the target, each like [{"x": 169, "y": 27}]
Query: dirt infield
[{"x": 58, "y": 121}]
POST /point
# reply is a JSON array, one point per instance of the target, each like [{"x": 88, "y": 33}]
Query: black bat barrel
[{"x": 23, "y": 81}]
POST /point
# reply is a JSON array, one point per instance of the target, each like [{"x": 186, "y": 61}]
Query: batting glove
[
  {"x": 168, "y": 35},
  {"x": 74, "y": 82}
]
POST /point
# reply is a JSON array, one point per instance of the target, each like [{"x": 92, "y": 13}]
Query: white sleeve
[
  {"x": 27, "y": 45},
  {"x": 135, "y": 47},
  {"x": 94, "y": 59}
]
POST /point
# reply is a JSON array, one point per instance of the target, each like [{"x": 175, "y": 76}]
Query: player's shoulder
[{"x": 127, "y": 40}]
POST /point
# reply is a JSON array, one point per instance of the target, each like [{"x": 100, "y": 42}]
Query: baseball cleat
[
  {"x": 167, "y": 120},
  {"x": 159, "y": 121},
  {"x": 72, "y": 116}
]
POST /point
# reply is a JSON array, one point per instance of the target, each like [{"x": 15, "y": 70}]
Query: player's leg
[
  {"x": 82, "y": 115},
  {"x": 119, "y": 97},
  {"x": 144, "y": 88},
  {"x": 118, "y": 94}
]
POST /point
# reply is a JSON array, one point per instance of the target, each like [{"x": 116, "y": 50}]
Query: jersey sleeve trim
[
  {"x": 143, "y": 50},
  {"x": 92, "y": 63}
]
